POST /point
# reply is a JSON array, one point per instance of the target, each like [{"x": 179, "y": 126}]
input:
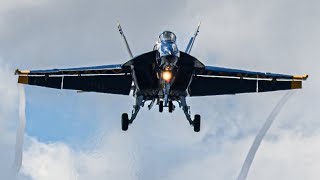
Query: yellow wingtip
[
  {"x": 304, "y": 77},
  {"x": 24, "y": 72},
  {"x": 17, "y": 72}
]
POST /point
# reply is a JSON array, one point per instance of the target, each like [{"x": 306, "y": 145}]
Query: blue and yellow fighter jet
[{"x": 164, "y": 75}]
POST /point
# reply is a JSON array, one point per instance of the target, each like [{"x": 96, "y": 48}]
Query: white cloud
[
  {"x": 290, "y": 156},
  {"x": 293, "y": 156},
  {"x": 8, "y": 109},
  {"x": 49, "y": 161}
]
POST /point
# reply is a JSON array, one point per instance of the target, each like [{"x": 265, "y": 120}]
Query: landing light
[{"x": 166, "y": 75}]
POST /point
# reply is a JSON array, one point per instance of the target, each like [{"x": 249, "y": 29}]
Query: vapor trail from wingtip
[
  {"x": 20, "y": 131},
  {"x": 257, "y": 141}
]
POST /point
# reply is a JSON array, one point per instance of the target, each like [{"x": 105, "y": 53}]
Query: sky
[{"x": 72, "y": 136}]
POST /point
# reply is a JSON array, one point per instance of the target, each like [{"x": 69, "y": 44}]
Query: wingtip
[
  {"x": 304, "y": 77},
  {"x": 16, "y": 72}
]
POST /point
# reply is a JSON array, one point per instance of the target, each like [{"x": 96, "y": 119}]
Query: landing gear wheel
[
  {"x": 124, "y": 121},
  {"x": 196, "y": 123},
  {"x": 170, "y": 106},
  {"x": 161, "y": 106}
]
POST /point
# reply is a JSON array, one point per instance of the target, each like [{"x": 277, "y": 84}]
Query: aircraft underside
[{"x": 150, "y": 86}]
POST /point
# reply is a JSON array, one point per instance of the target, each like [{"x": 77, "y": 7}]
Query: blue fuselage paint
[
  {"x": 168, "y": 54},
  {"x": 168, "y": 49},
  {"x": 167, "y": 60}
]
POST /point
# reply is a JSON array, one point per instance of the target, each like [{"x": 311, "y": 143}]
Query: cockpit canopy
[{"x": 167, "y": 36}]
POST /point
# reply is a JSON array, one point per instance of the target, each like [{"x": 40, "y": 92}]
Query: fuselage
[
  {"x": 164, "y": 73},
  {"x": 167, "y": 58},
  {"x": 168, "y": 52}
]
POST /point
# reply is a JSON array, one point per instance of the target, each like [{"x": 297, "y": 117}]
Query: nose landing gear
[
  {"x": 161, "y": 106},
  {"x": 171, "y": 107}
]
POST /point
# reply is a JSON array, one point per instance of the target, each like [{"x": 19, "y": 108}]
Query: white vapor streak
[
  {"x": 257, "y": 141},
  {"x": 20, "y": 132}
]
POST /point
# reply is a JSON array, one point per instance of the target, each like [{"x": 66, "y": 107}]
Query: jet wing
[
  {"x": 112, "y": 79},
  {"x": 219, "y": 81},
  {"x": 220, "y": 71},
  {"x": 105, "y": 69}
]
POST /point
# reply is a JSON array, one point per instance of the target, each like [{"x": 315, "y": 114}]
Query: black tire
[
  {"x": 170, "y": 106},
  {"x": 161, "y": 106},
  {"x": 196, "y": 123},
  {"x": 124, "y": 121}
]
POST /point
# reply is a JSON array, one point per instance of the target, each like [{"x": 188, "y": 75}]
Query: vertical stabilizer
[
  {"x": 124, "y": 39},
  {"x": 192, "y": 39}
]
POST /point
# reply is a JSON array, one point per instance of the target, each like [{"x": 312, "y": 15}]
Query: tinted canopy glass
[{"x": 168, "y": 36}]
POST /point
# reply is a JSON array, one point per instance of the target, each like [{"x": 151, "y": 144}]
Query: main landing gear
[
  {"x": 126, "y": 121},
  {"x": 196, "y": 122}
]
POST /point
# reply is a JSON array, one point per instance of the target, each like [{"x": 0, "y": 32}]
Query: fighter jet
[{"x": 164, "y": 76}]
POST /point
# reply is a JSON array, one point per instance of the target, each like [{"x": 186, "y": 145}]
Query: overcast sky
[{"x": 72, "y": 136}]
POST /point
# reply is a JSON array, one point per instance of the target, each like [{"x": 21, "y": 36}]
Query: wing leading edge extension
[
  {"x": 218, "y": 81},
  {"x": 112, "y": 79}
]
